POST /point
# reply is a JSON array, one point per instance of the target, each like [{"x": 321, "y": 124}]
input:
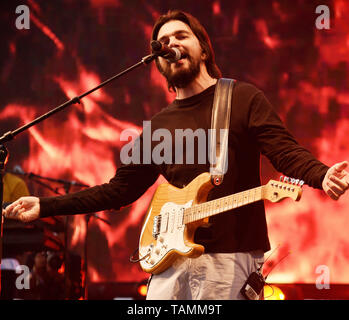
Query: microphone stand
[
  {"x": 33, "y": 176},
  {"x": 66, "y": 185},
  {"x": 87, "y": 220},
  {"x": 10, "y": 135}
]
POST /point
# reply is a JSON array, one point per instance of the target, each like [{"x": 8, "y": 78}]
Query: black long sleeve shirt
[{"x": 254, "y": 129}]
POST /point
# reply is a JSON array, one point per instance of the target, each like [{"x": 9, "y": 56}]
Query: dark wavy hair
[{"x": 198, "y": 30}]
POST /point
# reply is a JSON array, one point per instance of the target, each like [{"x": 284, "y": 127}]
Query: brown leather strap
[{"x": 219, "y": 133}]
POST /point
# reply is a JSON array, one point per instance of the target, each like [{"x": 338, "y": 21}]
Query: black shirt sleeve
[
  {"x": 280, "y": 147},
  {"x": 128, "y": 184}
]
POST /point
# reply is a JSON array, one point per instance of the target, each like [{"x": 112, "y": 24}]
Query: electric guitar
[
  {"x": 174, "y": 214},
  {"x": 5, "y": 204}
]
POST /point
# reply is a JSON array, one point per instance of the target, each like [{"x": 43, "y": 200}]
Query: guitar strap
[{"x": 219, "y": 132}]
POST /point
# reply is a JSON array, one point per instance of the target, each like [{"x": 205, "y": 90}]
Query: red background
[{"x": 72, "y": 46}]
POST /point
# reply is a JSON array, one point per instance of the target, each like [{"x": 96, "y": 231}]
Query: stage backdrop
[{"x": 279, "y": 46}]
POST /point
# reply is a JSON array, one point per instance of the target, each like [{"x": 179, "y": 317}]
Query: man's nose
[{"x": 173, "y": 42}]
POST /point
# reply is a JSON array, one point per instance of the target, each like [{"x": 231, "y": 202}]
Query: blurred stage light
[
  {"x": 142, "y": 289},
  {"x": 272, "y": 292}
]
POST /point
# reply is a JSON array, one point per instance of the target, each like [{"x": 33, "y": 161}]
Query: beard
[{"x": 183, "y": 77}]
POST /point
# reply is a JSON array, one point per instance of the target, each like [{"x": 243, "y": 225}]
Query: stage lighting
[
  {"x": 272, "y": 292},
  {"x": 142, "y": 289}
]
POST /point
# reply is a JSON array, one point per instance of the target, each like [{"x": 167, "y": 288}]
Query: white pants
[{"x": 216, "y": 276}]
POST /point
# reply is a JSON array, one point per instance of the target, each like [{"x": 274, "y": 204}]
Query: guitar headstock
[{"x": 276, "y": 191}]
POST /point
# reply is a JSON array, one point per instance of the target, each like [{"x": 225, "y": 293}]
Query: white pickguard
[{"x": 170, "y": 237}]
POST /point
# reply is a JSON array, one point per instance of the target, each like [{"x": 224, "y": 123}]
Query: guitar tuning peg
[
  {"x": 281, "y": 177},
  {"x": 301, "y": 183},
  {"x": 296, "y": 181},
  {"x": 286, "y": 179},
  {"x": 293, "y": 180}
]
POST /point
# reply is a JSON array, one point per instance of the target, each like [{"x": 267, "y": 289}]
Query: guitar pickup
[
  {"x": 164, "y": 222},
  {"x": 156, "y": 226}
]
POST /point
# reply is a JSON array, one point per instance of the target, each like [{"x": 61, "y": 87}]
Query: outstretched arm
[
  {"x": 129, "y": 183},
  {"x": 289, "y": 157}
]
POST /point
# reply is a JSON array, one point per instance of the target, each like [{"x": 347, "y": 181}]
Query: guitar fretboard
[{"x": 213, "y": 207}]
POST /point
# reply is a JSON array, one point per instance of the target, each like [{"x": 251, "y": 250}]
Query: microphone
[
  {"x": 18, "y": 170},
  {"x": 162, "y": 50}
]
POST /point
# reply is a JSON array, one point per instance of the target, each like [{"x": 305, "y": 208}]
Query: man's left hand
[{"x": 336, "y": 180}]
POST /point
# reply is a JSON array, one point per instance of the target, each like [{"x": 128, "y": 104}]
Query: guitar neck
[{"x": 213, "y": 207}]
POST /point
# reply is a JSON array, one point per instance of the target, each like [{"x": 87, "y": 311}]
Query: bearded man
[{"x": 234, "y": 243}]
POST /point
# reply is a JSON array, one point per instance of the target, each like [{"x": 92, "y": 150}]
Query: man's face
[{"x": 181, "y": 73}]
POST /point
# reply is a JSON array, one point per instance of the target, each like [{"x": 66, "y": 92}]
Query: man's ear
[{"x": 203, "y": 55}]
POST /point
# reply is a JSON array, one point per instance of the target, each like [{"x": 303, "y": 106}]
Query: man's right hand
[{"x": 25, "y": 209}]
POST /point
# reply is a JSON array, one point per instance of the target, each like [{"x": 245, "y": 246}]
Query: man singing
[{"x": 234, "y": 243}]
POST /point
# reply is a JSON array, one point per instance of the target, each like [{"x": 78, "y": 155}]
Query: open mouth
[
  {"x": 180, "y": 61},
  {"x": 183, "y": 56}
]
